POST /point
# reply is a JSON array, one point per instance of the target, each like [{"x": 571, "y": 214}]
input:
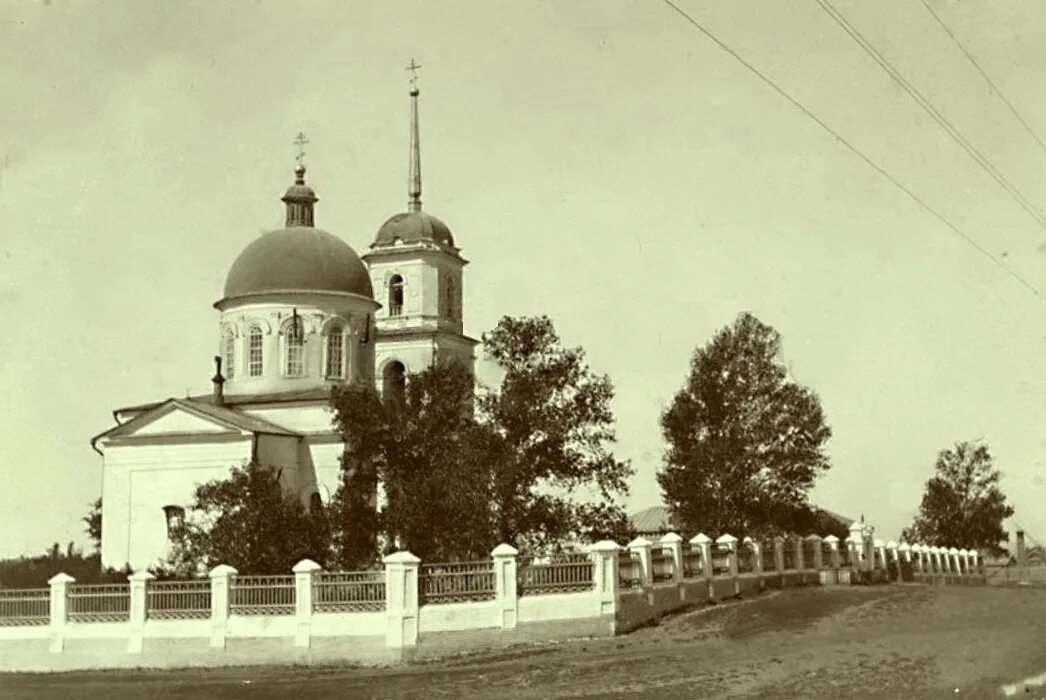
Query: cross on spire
[
  {"x": 300, "y": 141},
  {"x": 414, "y": 67}
]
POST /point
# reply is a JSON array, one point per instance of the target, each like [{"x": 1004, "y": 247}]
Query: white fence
[{"x": 613, "y": 587}]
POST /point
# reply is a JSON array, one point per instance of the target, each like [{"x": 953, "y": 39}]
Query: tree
[
  {"x": 249, "y": 522},
  {"x": 555, "y": 477},
  {"x": 744, "y": 444},
  {"x": 464, "y": 469},
  {"x": 432, "y": 458},
  {"x": 93, "y": 523},
  {"x": 962, "y": 505}
]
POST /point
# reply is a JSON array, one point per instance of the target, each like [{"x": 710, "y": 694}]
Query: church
[{"x": 300, "y": 312}]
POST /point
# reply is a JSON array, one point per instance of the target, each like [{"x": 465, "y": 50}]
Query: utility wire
[
  {"x": 856, "y": 151},
  {"x": 934, "y": 113},
  {"x": 991, "y": 83}
]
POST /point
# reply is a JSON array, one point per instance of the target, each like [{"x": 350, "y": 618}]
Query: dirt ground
[{"x": 899, "y": 641}]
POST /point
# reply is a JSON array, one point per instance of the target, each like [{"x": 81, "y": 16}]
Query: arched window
[
  {"x": 254, "y": 351},
  {"x": 175, "y": 516},
  {"x": 394, "y": 383},
  {"x": 396, "y": 296},
  {"x": 451, "y": 302},
  {"x": 294, "y": 344},
  {"x": 336, "y": 351},
  {"x": 229, "y": 352}
]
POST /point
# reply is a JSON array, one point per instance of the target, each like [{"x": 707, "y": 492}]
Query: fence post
[
  {"x": 303, "y": 575},
  {"x": 221, "y": 578},
  {"x": 505, "y": 577},
  {"x": 779, "y": 556},
  {"x": 818, "y": 559},
  {"x": 964, "y": 558},
  {"x": 973, "y": 558},
  {"x": 833, "y": 545},
  {"x": 401, "y": 604},
  {"x": 59, "y": 584},
  {"x": 674, "y": 544},
  {"x": 605, "y": 579},
  {"x": 731, "y": 543},
  {"x": 953, "y": 554},
  {"x": 139, "y": 582},
  {"x": 704, "y": 542},
  {"x": 800, "y": 560},
  {"x": 641, "y": 546}
]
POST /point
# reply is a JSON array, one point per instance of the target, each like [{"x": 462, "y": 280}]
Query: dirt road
[{"x": 844, "y": 642}]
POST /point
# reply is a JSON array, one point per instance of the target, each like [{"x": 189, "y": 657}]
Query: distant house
[{"x": 656, "y": 521}]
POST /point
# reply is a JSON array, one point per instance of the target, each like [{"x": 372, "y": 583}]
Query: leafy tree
[
  {"x": 34, "y": 572},
  {"x": 555, "y": 477},
  {"x": 962, "y": 505},
  {"x": 249, "y": 522},
  {"x": 93, "y": 523},
  {"x": 745, "y": 444},
  {"x": 431, "y": 456},
  {"x": 463, "y": 473}
]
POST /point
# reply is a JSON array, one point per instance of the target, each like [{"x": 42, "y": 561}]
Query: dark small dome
[
  {"x": 299, "y": 258},
  {"x": 413, "y": 227}
]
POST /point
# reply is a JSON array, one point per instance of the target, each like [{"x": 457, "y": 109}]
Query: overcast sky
[{"x": 600, "y": 162}]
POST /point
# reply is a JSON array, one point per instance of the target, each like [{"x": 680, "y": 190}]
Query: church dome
[
  {"x": 414, "y": 227},
  {"x": 298, "y": 258}
]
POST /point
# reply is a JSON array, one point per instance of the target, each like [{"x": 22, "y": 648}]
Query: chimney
[
  {"x": 1020, "y": 548},
  {"x": 218, "y": 380}
]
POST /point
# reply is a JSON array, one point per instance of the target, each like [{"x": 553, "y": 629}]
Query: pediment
[{"x": 174, "y": 419}]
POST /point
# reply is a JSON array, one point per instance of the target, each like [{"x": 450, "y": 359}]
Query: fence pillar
[
  {"x": 604, "y": 572},
  {"x": 139, "y": 583},
  {"x": 964, "y": 558},
  {"x": 953, "y": 555},
  {"x": 221, "y": 581},
  {"x": 304, "y": 571},
  {"x": 800, "y": 563},
  {"x": 833, "y": 546},
  {"x": 730, "y": 542},
  {"x": 641, "y": 546},
  {"x": 818, "y": 559},
  {"x": 704, "y": 542},
  {"x": 854, "y": 547},
  {"x": 674, "y": 544},
  {"x": 504, "y": 556},
  {"x": 401, "y": 604},
  {"x": 59, "y": 584},
  {"x": 973, "y": 561}
]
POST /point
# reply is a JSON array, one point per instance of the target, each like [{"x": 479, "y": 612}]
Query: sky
[{"x": 598, "y": 161}]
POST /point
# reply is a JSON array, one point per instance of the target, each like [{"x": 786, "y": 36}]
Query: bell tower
[{"x": 417, "y": 272}]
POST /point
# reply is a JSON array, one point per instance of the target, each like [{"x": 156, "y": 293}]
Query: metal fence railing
[
  {"x": 261, "y": 595},
  {"x": 25, "y": 607},
  {"x": 745, "y": 559},
  {"x": 348, "y": 591},
  {"x": 557, "y": 573},
  {"x": 789, "y": 556},
  {"x": 720, "y": 560},
  {"x": 693, "y": 565},
  {"x": 99, "y": 602},
  {"x": 629, "y": 570},
  {"x": 662, "y": 565},
  {"x": 826, "y": 555},
  {"x": 769, "y": 556},
  {"x": 809, "y": 553},
  {"x": 178, "y": 600},
  {"x": 456, "y": 582}
]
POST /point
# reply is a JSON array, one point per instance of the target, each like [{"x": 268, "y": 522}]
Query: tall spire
[
  {"x": 414, "y": 203},
  {"x": 299, "y": 197}
]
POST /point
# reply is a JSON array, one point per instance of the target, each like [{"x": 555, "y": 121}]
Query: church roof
[
  {"x": 295, "y": 259},
  {"x": 227, "y": 417},
  {"x": 314, "y": 394},
  {"x": 413, "y": 227}
]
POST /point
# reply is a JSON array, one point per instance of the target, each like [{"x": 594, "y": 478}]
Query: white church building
[{"x": 300, "y": 312}]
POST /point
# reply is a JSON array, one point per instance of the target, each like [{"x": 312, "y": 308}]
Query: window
[
  {"x": 396, "y": 296},
  {"x": 254, "y": 359},
  {"x": 175, "y": 516},
  {"x": 336, "y": 351},
  {"x": 229, "y": 352},
  {"x": 295, "y": 344},
  {"x": 394, "y": 384},
  {"x": 451, "y": 301}
]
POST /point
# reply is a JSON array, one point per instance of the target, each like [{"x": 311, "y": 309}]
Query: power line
[
  {"x": 934, "y": 113},
  {"x": 856, "y": 151},
  {"x": 991, "y": 83}
]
